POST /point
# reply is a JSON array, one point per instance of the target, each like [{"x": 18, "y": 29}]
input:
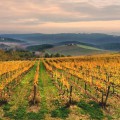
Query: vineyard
[{"x": 80, "y": 88}]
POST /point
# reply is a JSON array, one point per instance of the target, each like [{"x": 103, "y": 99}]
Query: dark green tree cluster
[
  {"x": 16, "y": 55},
  {"x": 47, "y": 55}
]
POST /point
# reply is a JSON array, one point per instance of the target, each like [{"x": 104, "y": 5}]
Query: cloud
[
  {"x": 36, "y": 12},
  {"x": 92, "y": 12},
  {"x": 52, "y": 11}
]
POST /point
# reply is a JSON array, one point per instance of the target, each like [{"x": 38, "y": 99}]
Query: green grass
[
  {"x": 61, "y": 112},
  {"x": 6, "y": 107},
  {"x": 36, "y": 116},
  {"x": 44, "y": 84},
  {"x": 74, "y": 50},
  {"x": 43, "y": 106},
  {"x": 88, "y": 47},
  {"x": 50, "y": 91},
  {"x": 17, "y": 108},
  {"x": 20, "y": 113},
  {"x": 19, "y": 100},
  {"x": 92, "y": 108},
  {"x": 40, "y": 115}
]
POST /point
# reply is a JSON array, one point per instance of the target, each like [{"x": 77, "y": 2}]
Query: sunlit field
[{"x": 85, "y": 87}]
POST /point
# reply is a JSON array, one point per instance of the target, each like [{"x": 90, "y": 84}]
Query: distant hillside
[
  {"x": 74, "y": 42},
  {"x": 11, "y": 40},
  {"x": 39, "y": 47},
  {"x": 4, "y": 47},
  {"x": 74, "y": 50},
  {"x": 100, "y": 41},
  {"x": 94, "y": 38},
  {"x": 110, "y": 46},
  {"x": 106, "y": 46}
]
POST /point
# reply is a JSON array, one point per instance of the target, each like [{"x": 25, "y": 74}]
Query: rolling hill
[
  {"x": 94, "y": 38},
  {"x": 10, "y": 40},
  {"x": 39, "y": 47},
  {"x": 74, "y": 50},
  {"x": 110, "y": 46},
  {"x": 4, "y": 47},
  {"x": 38, "y": 41}
]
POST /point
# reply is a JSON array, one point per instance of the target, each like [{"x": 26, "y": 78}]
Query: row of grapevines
[
  {"x": 13, "y": 78},
  {"x": 102, "y": 73}
]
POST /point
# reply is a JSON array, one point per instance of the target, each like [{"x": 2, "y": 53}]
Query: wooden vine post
[
  {"x": 70, "y": 97},
  {"x": 34, "y": 96}
]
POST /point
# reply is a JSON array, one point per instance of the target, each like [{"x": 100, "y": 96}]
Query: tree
[
  {"x": 52, "y": 55},
  {"x": 57, "y": 55},
  {"x": 47, "y": 55},
  {"x": 62, "y": 55}
]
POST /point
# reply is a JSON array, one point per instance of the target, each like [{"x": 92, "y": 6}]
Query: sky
[{"x": 59, "y": 16}]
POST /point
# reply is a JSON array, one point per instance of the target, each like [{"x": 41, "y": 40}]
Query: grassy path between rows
[
  {"x": 19, "y": 100},
  {"x": 48, "y": 93}
]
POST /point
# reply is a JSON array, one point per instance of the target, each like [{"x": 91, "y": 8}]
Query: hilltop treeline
[
  {"x": 47, "y": 55},
  {"x": 16, "y": 55}
]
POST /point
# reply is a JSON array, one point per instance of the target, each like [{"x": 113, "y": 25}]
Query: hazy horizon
[{"x": 20, "y": 33}]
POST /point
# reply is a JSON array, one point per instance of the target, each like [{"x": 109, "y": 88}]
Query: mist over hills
[
  {"x": 93, "y": 38},
  {"x": 10, "y": 40},
  {"x": 73, "y": 41}
]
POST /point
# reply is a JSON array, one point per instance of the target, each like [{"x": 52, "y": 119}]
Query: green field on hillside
[{"x": 75, "y": 50}]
